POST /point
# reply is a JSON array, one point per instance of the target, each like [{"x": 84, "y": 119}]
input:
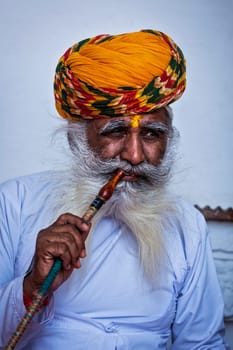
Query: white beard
[{"x": 140, "y": 206}]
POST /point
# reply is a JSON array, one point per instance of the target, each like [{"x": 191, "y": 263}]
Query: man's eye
[
  {"x": 152, "y": 135},
  {"x": 117, "y": 132}
]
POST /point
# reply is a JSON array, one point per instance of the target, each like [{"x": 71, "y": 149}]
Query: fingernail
[
  {"x": 78, "y": 264},
  {"x": 85, "y": 226},
  {"x": 83, "y": 253}
]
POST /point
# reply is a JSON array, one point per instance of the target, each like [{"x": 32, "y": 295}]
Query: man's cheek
[{"x": 110, "y": 150}]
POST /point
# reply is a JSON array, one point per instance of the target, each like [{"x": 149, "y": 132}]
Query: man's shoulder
[
  {"x": 30, "y": 179},
  {"x": 187, "y": 211},
  {"x": 186, "y": 235},
  {"x": 188, "y": 220},
  {"x": 28, "y": 185}
]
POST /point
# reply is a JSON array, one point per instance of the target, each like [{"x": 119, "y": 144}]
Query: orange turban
[{"x": 115, "y": 75}]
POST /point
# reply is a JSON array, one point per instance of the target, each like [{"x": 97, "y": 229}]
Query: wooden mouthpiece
[
  {"x": 107, "y": 190},
  {"x": 104, "y": 194}
]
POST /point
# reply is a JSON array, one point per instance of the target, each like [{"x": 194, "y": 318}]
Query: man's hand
[{"x": 64, "y": 239}]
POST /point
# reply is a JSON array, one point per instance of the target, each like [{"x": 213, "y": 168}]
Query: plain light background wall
[{"x": 34, "y": 34}]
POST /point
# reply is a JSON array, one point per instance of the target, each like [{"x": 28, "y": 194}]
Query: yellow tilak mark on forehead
[{"x": 134, "y": 120}]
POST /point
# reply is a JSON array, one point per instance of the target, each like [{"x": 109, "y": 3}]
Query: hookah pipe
[{"x": 104, "y": 194}]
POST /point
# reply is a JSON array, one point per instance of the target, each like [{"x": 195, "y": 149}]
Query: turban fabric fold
[{"x": 114, "y": 75}]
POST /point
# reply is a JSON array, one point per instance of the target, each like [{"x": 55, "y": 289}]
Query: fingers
[
  {"x": 73, "y": 220},
  {"x": 64, "y": 239},
  {"x": 78, "y": 223},
  {"x": 64, "y": 242}
]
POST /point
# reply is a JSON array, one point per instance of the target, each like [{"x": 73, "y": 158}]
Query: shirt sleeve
[
  {"x": 12, "y": 308},
  {"x": 199, "y": 322}
]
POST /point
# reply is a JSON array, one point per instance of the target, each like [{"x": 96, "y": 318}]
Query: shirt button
[{"x": 110, "y": 329}]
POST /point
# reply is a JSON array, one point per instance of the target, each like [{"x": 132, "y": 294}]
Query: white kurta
[{"x": 108, "y": 304}]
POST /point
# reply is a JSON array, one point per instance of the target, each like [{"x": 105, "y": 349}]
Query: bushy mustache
[{"x": 155, "y": 175}]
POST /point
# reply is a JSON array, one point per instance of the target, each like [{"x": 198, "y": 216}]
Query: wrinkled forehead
[{"x": 139, "y": 120}]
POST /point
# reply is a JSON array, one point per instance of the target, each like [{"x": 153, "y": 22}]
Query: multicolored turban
[{"x": 114, "y": 75}]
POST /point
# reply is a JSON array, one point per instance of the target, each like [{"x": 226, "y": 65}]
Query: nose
[{"x": 132, "y": 150}]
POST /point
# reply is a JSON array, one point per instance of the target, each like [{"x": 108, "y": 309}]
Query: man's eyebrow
[
  {"x": 111, "y": 125},
  {"x": 114, "y": 124},
  {"x": 157, "y": 126}
]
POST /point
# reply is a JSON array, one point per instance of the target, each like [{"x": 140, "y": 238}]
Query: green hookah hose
[
  {"x": 104, "y": 194},
  {"x": 35, "y": 305}
]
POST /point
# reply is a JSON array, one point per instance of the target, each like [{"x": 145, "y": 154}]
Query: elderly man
[{"x": 142, "y": 273}]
